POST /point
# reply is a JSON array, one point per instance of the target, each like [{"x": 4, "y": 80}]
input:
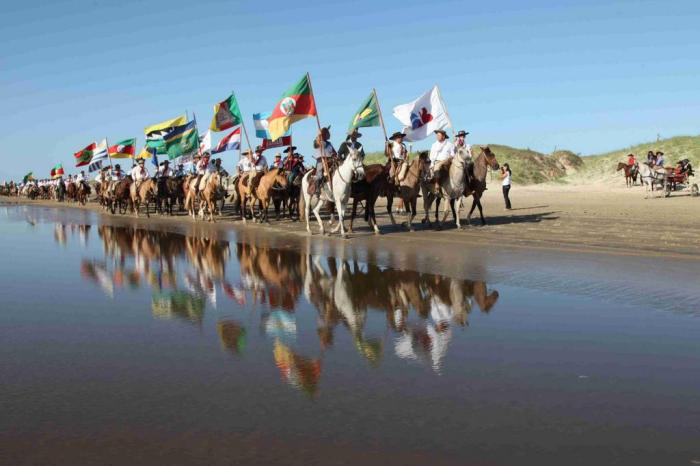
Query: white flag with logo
[
  {"x": 205, "y": 142},
  {"x": 422, "y": 116}
]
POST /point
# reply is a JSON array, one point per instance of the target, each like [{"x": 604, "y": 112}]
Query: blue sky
[{"x": 588, "y": 76}]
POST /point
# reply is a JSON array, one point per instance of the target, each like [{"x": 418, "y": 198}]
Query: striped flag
[
  {"x": 261, "y": 126},
  {"x": 232, "y": 141},
  {"x": 205, "y": 142},
  {"x": 99, "y": 155},
  {"x": 182, "y": 140},
  {"x": 123, "y": 149}
]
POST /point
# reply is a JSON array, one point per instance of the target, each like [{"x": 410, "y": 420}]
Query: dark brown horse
[
  {"x": 375, "y": 184},
  {"x": 477, "y": 182},
  {"x": 631, "y": 173}
]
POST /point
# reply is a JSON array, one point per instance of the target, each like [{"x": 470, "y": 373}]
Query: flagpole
[
  {"x": 245, "y": 132},
  {"x": 318, "y": 123},
  {"x": 447, "y": 114},
  {"x": 108, "y": 154},
  {"x": 379, "y": 110}
]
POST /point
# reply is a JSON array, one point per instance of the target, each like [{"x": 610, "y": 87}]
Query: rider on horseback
[
  {"x": 324, "y": 153},
  {"x": 139, "y": 173},
  {"x": 258, "y": 168},
  {"x": 441, "y": 152},
  {"x": 398, "y": 153}
]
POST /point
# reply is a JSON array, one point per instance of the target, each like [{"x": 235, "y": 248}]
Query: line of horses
[{"x": 290, "y": 196}]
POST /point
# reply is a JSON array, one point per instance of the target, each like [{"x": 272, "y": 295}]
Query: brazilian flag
[{"x": 368, "y": 113}]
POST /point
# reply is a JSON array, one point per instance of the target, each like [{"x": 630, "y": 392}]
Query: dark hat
[
  {"x": 141, "y": 161},
  {"x": 461, "y": 133},
  {"x": 259, "y": 149},
  {"x": 117, "y": 166},
  {"x": 247, "y": 151},
  {"x": 440, "y": 131},
  {"x": 397, "y": 134},
  {"x": 287, "y": 149},
  {"x": 659, "y": 152},
  {"x": 355, "y": 133},
  {"x": 165, "y": 162}
]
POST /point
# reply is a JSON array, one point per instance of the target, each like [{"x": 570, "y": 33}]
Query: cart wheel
[{"x": 694, "y": 190}]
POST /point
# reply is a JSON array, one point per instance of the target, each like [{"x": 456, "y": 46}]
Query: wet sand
[{"x": 583, "y": 218}]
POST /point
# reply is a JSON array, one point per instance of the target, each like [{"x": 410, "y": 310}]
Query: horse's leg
[
  {"x": 317, "y": 214},
  {"x": 340, "y": 209},
  {"x": 471, "y": 211},
  {"x": 389, "y": 207},
  {"x": 307, "y": 211},
  {"x": 481, "y": 210}
]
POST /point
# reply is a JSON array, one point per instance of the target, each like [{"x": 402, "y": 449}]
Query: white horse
[
  {"x": 649, "y": 176},
  {"x": 339, "y": 194},
  {"x": 452, "y": 187}
]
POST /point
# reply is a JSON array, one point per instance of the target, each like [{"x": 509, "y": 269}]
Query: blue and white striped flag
[
  {"x": 261, "y": 126},
  {"x": 99, "y": 154}
]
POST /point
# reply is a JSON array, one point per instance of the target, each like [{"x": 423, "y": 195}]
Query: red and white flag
[{"x": 232, "y": 141}]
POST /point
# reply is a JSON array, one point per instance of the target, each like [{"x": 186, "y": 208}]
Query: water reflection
[{"x": 186, "y": 274}]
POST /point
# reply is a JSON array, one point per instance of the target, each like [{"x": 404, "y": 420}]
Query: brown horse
[
  {"x": 409, "y": 188},
  {"x": 207, "y": 197},
  {"x": 477, "y": 183},
  {"x": 145, "y": 193},
  {"x": 375, "y": 184},
  {"x": 630, "y": 173},
  {"x": 275, "y": 179},
  {"x": 71, "y": 192},
  {"x": 83, "y": 192}
]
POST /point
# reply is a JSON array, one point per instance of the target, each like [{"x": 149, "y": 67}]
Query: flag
[
  {"x": 83, "y": 157},
  {"x": 28, "y": 177},
  {"x": 423, "y": 116},
  {"x": 226, "y": 115},
  {"x": 294, "y": 105},
  {"x": 156, "y": 133},
  {"x": 182, "y": 140},
  {"x": 279, "y": 142},
  {"x": 144, "y": 154},
  {"x": 232, "y": 141},
  {"x": 123, "y": 149},
  {"x": 99, "y": 154},
  {"x": 154, "y": 156},
  {"x": 205, "y": 142},
  {"x": 57, "y": 171},
  {"x": 367, "y": 114},
  {"x": 260, "y": 121}
]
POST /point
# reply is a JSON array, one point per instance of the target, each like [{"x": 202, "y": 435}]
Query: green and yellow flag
[
  {"x": 156, "y": 133},
  {"x": 367, "y": 114},
  {"x": 28, "y": 177}
]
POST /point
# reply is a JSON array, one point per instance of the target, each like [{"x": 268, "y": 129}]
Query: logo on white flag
[{"x": 288, "y": 105}]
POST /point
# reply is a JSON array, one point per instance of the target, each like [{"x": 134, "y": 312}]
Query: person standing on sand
[{"x": 506, "y": 180}]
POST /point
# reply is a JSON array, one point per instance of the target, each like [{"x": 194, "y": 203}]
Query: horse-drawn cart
[{"x": 676, "y": 181}]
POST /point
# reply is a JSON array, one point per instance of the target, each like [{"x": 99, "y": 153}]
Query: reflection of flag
[
  {"x": 226, "y": 114},
  {"x": 422, "y": 116},
  {"x": 182, "y": 140},
  {"x": 367, "y": 114},
  {"x": 232, "y": 141},
  {"x": 294, "y": 105},
  {"x": 123, "y": 149}
]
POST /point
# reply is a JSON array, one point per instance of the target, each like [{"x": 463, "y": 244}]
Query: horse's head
[
  {"x": 280, "y": 178},
  {"x": 355, "y": 158},
  {"x": 490, "y": 157}
]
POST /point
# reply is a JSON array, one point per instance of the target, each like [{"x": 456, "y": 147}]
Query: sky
[{"x": 588, "y": 76}]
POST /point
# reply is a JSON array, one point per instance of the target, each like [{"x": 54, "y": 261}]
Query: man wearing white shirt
[
  {"x": 441, "y": 151},
  {"x": 139, "y": 173},
  {"x": 164, "y": 170},
  {"x": 259, "y": 164},
  {"x": 398, "y": 152}
]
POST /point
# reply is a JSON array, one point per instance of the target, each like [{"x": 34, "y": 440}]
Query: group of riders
[
  {"x": 253, "y": 165},
  {"x": 655, "y": 160}
]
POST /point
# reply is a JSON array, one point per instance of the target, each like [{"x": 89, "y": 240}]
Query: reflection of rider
[{"x": 324, "y": 150}]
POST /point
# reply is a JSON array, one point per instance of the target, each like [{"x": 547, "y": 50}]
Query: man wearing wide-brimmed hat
[
  {"x": 324, "y": 151},
  {"x": 259, "y": 167},
  {"x": 398, "y": 153},
  {"x": 139, "y": 173},
  {"x": 441, "y": 151},
  {"x": 351, "y": 142}
]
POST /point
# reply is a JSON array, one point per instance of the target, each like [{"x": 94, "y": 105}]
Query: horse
[
  {"x": 275, "y": 179},
  {"x": 410, "y": 186},
  {"x": 477, "y": 183},
  {"x": 207, "y": 197},
  {"x": 83, "y": 192},
  {"x": 375, "y": 184},
  {"x": 449, "y": 187},
  {"x": 145, "y": 193},
  {"x": 71, "y": 191},
  {"x": 649, "y": 176},
  {"x": 630, "y": 173},
  {"x": 337, "y": 191}
]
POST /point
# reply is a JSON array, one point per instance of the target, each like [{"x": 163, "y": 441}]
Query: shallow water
[{"x": 125, "y": 345}]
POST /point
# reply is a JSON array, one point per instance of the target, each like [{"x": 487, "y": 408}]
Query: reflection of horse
[{"x": 299, "y": 371}]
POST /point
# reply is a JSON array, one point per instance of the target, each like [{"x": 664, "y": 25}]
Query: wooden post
[{"x": 318, "y": 123}]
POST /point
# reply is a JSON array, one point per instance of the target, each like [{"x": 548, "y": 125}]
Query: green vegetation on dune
[
  {"x": 602, "y": 166},
  {"x": 532, "y": 167}
]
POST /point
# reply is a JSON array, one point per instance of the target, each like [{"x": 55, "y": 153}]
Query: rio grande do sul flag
[
  {"x": 226, "y": 114},
  {"x": 57, "y": 171},
  {"x": 294, "y": 105},
  {"x": 423, "y": 116},
  {"x": 83, "y": 157},
  {"x": 123, "y": 149}
]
